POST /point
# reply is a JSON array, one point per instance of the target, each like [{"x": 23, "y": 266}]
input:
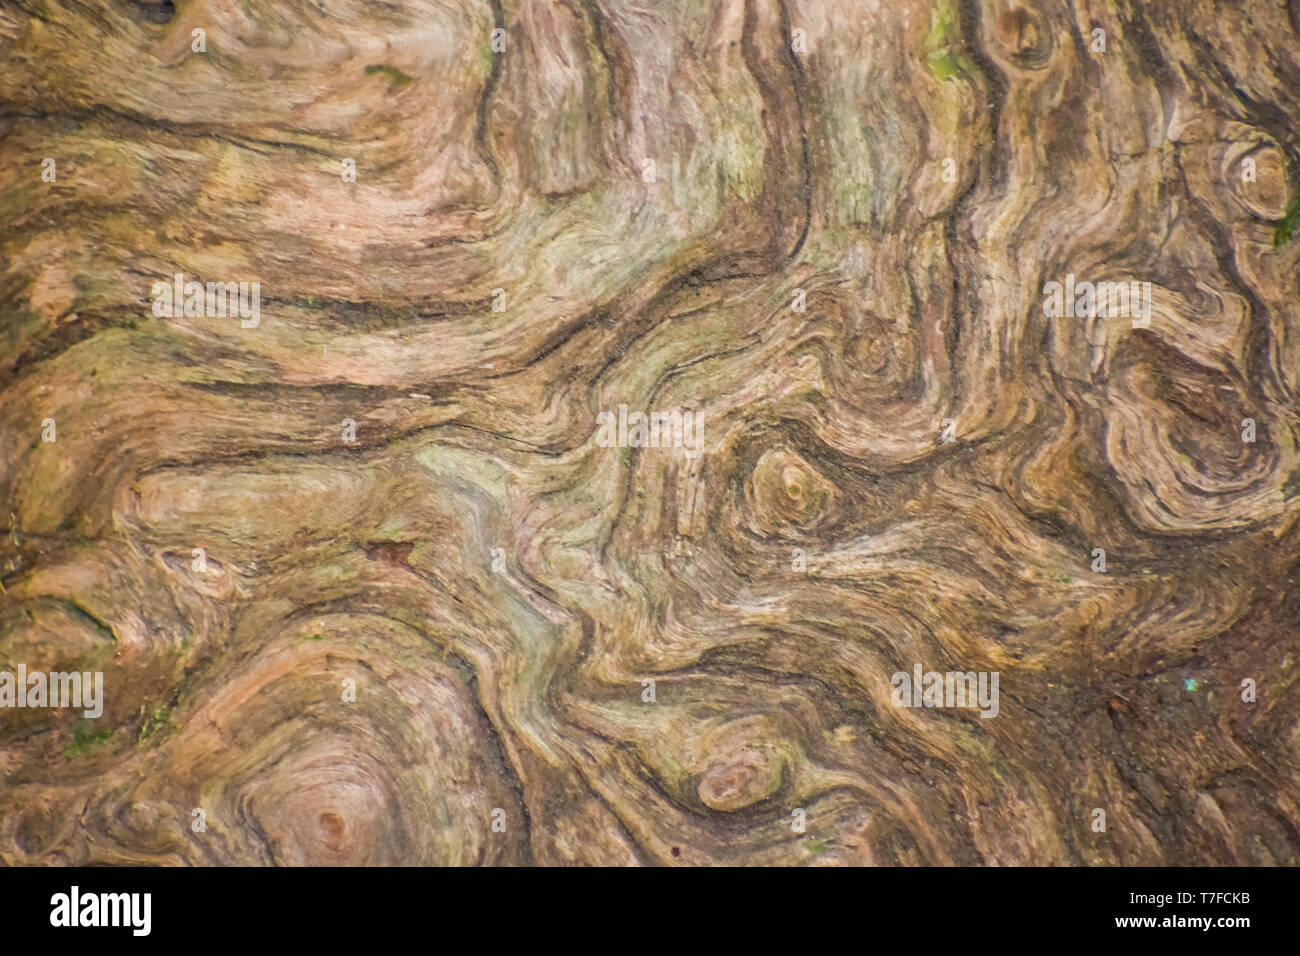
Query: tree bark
[{"x": 825, "y": 235}]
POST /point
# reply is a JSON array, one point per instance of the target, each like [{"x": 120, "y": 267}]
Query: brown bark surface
[{"x": 626, "y": 205}]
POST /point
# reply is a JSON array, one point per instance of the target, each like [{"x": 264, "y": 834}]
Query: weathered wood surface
[{"x": 521, "y": 688}]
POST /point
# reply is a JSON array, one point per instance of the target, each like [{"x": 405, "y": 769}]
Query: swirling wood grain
[{"x": 498, "y": 585}]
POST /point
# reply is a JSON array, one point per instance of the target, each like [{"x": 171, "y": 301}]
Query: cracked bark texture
[{"x": 781, "y": 164}]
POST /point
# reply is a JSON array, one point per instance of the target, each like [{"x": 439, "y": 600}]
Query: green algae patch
[
  {"x": 396, "y": 78},
  {"x": 944, "y": 64},
  {"x": 86, "y": 740},
  {"x": 156, "y": 726},
  {"x": 1286, "y": 228}
]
